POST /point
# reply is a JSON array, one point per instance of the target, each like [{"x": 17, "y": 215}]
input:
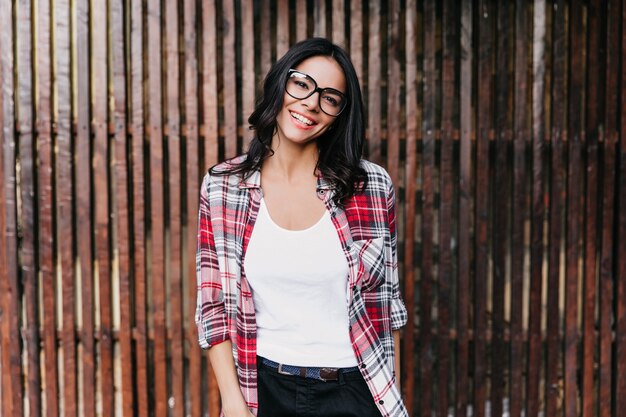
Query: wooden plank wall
[{"x": 502, "y": 124}]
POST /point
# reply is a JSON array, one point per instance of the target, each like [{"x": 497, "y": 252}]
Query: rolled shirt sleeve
[
  {"x": 399, "y": 314},
  {"x": 211, "y": 318}
]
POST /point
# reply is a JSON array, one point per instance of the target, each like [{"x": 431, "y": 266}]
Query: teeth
[{"x": 302, "y": 118}]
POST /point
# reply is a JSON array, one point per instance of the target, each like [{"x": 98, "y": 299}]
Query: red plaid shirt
[{"x": 366, "y": 226}]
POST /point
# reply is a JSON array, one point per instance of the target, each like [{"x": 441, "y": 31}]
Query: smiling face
[{"x": 302, "y": 120}]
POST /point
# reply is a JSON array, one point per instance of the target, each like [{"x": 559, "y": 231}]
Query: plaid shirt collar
[{"x": 254, "y": 181}]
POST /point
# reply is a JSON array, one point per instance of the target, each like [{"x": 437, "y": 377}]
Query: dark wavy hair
[{"x": 340, "y": 147}]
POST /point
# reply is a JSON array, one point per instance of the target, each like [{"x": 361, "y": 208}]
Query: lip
[{"x": 298, "y": 123}]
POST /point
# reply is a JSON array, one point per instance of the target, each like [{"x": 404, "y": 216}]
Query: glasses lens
[
  {"x": 332, "y": 102},
  {"x": 300, "y": 86}
]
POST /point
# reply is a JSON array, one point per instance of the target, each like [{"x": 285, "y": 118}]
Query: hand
[{"x": 240, "y": 410}]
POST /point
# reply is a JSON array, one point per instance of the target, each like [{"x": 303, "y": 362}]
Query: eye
[
  {"x": 301, "y": 84},
  {"x": 332, "y": 100}
]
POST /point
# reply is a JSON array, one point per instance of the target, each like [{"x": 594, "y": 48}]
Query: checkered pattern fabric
[{"x": 366, "y": 226}]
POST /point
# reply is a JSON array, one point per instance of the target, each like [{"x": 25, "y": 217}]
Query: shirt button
[
  {"x": 381, "y": 402},
  {"x": 362, "y": 366}
]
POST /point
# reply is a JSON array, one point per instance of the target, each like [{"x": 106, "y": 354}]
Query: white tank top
[{"x": 299, "y": 287}]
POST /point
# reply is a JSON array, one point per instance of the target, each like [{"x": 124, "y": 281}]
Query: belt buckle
[{"x": 280, "y": 370}]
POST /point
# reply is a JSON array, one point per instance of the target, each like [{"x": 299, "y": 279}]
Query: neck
[{"x": 292, "y": 161}]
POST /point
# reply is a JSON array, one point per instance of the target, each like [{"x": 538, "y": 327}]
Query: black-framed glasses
[{"x": 300, "y": 86}]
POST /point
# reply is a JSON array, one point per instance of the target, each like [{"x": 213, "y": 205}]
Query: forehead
[{"x": 325, "y": 70}]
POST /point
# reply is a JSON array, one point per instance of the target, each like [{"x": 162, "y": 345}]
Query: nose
[{"x": 312, "y": 102}]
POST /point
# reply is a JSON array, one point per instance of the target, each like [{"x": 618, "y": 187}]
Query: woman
[{"x": 298, "y": 294}]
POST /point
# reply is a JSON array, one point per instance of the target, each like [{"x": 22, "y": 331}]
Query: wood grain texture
[
  {"x": 535, "y": 339},
  {"x": 356, "y": 37},
  {"x": 137, "y": 202},
  {"x": 156, "y": 270},
  {"x": 574, "y": 210},
  {"x": 590, "y": 266},
  {"x": 101, "y": 184},
  {"x": 374, "y": 69},
  {"x": 393, "y": 89},
  {"x": 484, "y": 128},
  {"x": 520, "y": 215},
  {"x": 413, "y": 120},
  {"x": 12, "y": 396},
  {"x": 191, "y": 94},
  {"x": 248, "y": 84},
  {"x": 26, "y": 149},
  {"x": 229, "y": 76},
  {"x": 84, "y": 209},
  {"x": 501, "y": 206},
  {"x": 65, "y": 232},
  {"x": 120, "y": 203},
  {"x": 282, "y": 27},
  {"x": 620, "y": 313},
  {"x": 465, "y": 191},
  {"x": 210, "y": 143},
  {"x": 44, "y": 170},
  {"x": 447, "y": 189},
  {"x": 427, "y": 207},
  {"x": 172, "y": 201},
  {"x": 339, "y": 23}
]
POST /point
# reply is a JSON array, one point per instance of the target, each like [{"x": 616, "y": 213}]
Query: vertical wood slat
[
  {"x": 535, "y": 351},
  {"x": 120, "y": 197},
  {"x": 356, "y": 37},
  {"x": 138, "y": 216},
  {"x": 173, "y": 199},
  {"x": 64, "y": 201},
  {"x": 609, "y": 177},
  {"x": 157, "y": 253},
  {"x": 230, "y": 80},
  {"x": 43, "y": 163},
  {"x": 191, "y": 108},
  {"x": 576, "y": 136},
  {"x": 393, "y": 89},
  {"x": 26, "y": 156},
  {"x": 557, "y": 197},
  {"x": 501, "y": 207},
  {"x": 84, "y": 207},
  {"x": 446, "y": 278},
  {"x": 101, "y": 201},
  {"x": 483, "y": 123},
  {"x": 465, "y": 187},
  {"x": 248, "y": 87},
  {"x": 373, "y": 84},
  {"x": 265, "y": 35},
  {"x": 338, "y": 23},
  {"x": 301, "y": 22},
  {"x": 210, "y": 123},
  {"x": 320, "y": 29},
  {"x": 12, "y": 396},
  {"x": 606, "y": 280},
  {"x": 620, "y": 314},
  {"x": 282, "y": 27},
  {"x": 520, "y": 211},
  {"x": 591, "y": 211},
  {"x": 427, "y": 209},
  {"x": 413, "y": 116}
]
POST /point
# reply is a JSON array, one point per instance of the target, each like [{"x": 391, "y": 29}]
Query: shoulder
[
  {"x": 220, "y": 176},
  {"x": 377, "y": 176}
]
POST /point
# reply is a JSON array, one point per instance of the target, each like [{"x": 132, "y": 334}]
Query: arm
[
  {"x": 223, "y": 365},
  {"x": 211, "y": 317},
  {"x": 396, "y": 344}
]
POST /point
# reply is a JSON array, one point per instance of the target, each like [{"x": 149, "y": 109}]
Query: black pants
[{"x": 295, "y": 396}]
